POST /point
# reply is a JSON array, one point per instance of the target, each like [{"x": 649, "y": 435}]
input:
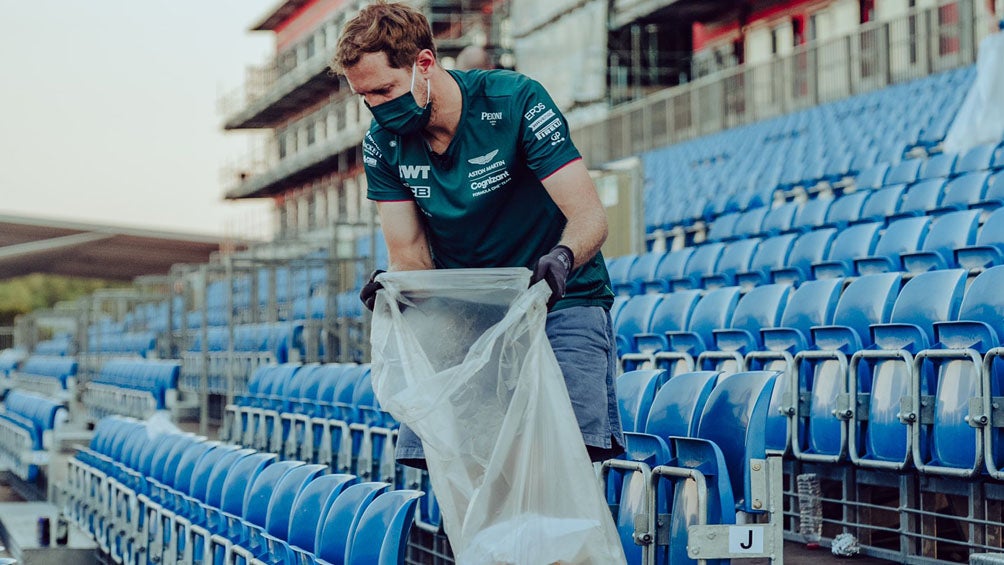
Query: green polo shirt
[{"x": 482, "y": 199}]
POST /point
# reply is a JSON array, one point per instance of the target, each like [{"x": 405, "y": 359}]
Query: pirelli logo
[{"x": 549, "y": 129}]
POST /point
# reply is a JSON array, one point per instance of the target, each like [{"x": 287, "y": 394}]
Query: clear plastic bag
[
  {"x": 981, "y": 118},
  {"x": 462, "y": 358}
]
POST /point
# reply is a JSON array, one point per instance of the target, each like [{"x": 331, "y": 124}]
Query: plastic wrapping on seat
[
  {"x": 981, "y": 117},
  {"x": 467, "y": 365}
]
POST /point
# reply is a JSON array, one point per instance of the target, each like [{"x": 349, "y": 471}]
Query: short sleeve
[
  {"x": 381, "y": 181},
  {"x": 543, "y": 131}
]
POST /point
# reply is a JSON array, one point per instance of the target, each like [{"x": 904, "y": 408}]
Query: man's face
[{"x": 377, "y": 82}]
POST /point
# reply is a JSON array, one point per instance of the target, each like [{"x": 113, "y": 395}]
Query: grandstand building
[{"x": 801, "y": 271}]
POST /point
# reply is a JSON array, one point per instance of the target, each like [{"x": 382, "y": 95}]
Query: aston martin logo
[{"x": 484, "y": 159}]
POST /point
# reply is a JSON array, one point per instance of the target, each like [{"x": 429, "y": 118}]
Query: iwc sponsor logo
[{"x": 409, "y": 172}]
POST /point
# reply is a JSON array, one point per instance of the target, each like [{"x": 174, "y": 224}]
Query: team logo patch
[{"x": 484, "y": 159}]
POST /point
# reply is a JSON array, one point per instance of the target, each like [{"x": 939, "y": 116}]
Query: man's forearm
[{"x": 584, "y": 236}]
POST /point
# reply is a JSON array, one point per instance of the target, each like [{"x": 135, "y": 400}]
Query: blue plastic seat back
[
  {"x": 311, "y": 505},
  {"x": 853, "y": 242},
  {"x": 882, "y": 203},
  {"x": 673, "y": 266},
  {"x": 773, "y": 253},
  {"x": 679, "y": 403},
  {"x": 258, "y": 495},
  {"x": 279, "y": 508},
  {"x": 812, "y": 214},
  {"x": 240, "y": 480},
  {"x": 199, "y": 484},
  {"x": 154, "y": 461},
  {"x": 635, "y": 318},
  {"x": 846, "y": 209},
  {"x": 872, "y": 177},
  {"x": 735, "y": 259},
  {"x": 989, "y": 248},
  {"x": 189, "y": 462},
  {"x": 615, "y": 309},
  {"x": 381, "y": 538},
  {"x": 779, "y": 219},
  {"x": 672, "y": 314},
  {"x": 938, "y": 166},
  {"x": 635, "y": 392},
  {"x": 811, "y": 305},
  {"x": 644, "y": 268},
  {"x": 809, "y": 248},
  {"x": 761, "y": 307},
  {"x": 723, "y": 228},
  {"x": 967, "y": 189},
  {"x": 921, "y": 197},
  {"x": 714, "y": 311},
  {"x": 867, "y": 300},
  {"x": 978, "y": 158},
  {"x": 948, "y": 232},
  {"x": 704, "y": 261},
  {"x": 168, "y": 472},
  {"x": 219, "y": 474},
  {"x": 734, "y": 418},
  {"x": 903, "y": 172},
  {"x": 994, "y": 195},
  {"x": 619, "y": 267},
  {"x": 902, "y": 236},
  {"x": 338, "y": 527}
]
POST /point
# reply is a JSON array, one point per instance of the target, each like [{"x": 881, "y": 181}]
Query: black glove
[
  {"x": 554, "y": 268},
  {"x": 368, "y": 293}
]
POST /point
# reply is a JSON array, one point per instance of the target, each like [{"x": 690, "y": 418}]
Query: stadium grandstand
[{"x": 808, "y": 313}]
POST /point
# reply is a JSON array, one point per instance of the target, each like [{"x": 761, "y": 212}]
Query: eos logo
[{"x": 534, "y": 111}]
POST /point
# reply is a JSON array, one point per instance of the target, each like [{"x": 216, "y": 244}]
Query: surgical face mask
[{"x": 402, "y": 115}]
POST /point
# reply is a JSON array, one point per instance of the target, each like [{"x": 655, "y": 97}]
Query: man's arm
[
  {"x": 407, "y": 246},
  {"x": 572, "y": 189}
]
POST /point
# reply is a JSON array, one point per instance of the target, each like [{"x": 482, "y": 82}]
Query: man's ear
[{"x": 425, "y": 61}]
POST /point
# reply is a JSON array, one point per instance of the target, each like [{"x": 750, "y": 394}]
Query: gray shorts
[{"x": 583, "y": 342}]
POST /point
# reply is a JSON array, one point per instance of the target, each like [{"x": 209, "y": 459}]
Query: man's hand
[
  {"x": 554, "y": 268},
  {"x": 369, "y": 290}
]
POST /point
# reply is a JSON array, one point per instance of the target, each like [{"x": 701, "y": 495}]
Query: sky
[{"x": 108, "y": 111}]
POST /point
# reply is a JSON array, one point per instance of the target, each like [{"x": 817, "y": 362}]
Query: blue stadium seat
[
  {"x": 927, "y": 298},
  {"x": 951, "y": 442},
  {"x": 853, "y": 242},
  {"x": 779, "y": 219},
  {"x": 994, "y": 195},
  {"x": 723, "y": 228},
  {"x": 964, "y": 191},
  {"x": 998, "y": 160},
  {"x": 949, "y": 232},
  {"x": 381, "y": 537},
  {"x": 989, "y": 248},
  {"x": 921, "y": 198},
  {"x": 819, "y": 432},
  {"x": 730, "y": 434},
  {"x": 618, "y": 268},
  {"x": 978, "y": 158},
  {"x": 714, "y": 311},
  {"x": 811, "y": 247},
  {"x": 311, "y": 506},
  {"x": 670, "y": 268},
  {"x": 761, "y": 307},
  {"x": 704, "y": 261},
  {"x": 846, "y": 209},
  {"x": 635, "y": 392},
  {"x": 634, "y": 318},
  {"x": 337, "y": 529},
  {"x": 735, "y": 258},
  {"x": 904, "y": 172},
  {"x": 812, "y": 213},
  {"x": 872, "y": 177},
  {"x": 941, "y": 165},
  {"x": 750, "y": 222},
  {"x": 641, "y": 270},
  {"x": 630, "y": 492},
  {"x": 673, "y": 314},
  {"x": 882, "y": 203},
  {"x": 902, "y": 236},
  {"x": 772, "y": 253}
]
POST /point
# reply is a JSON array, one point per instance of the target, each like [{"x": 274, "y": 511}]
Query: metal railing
[{"x": 877, "y": 55}]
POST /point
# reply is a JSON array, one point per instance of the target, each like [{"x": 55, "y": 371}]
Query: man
[{"x": 475, "y": 170}]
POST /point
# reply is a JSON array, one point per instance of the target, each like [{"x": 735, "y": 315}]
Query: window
[{"x": 867, "y": 10}]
